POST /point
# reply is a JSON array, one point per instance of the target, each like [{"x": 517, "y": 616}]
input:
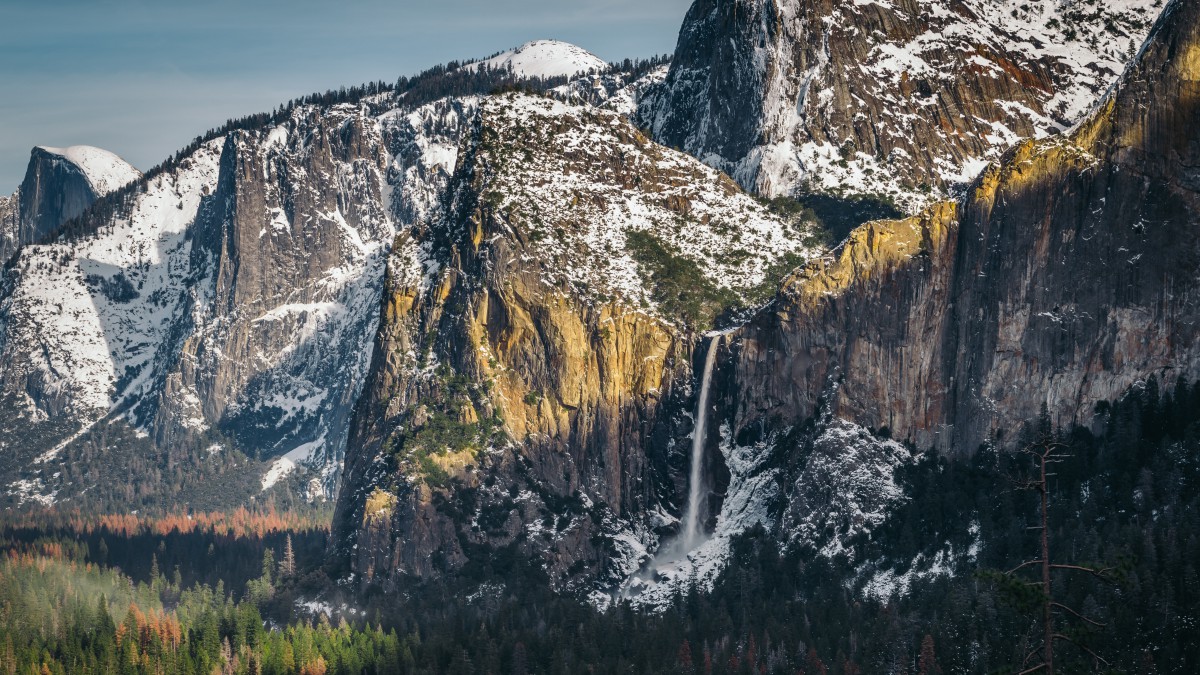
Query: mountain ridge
[
  {"x": 531, "y": 364},
  {"x": 59, "y": 185},
  {"x": 907, "y": 99},
  {"x": 202, "y": 332},
  {"x": 492, "y": 303}
]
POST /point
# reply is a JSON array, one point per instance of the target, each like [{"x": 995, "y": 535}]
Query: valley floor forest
[{"x": 250, "y": 593}]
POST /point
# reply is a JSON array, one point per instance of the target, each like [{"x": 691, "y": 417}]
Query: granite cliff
[
  {"x": 496, "y": 306},
  {"x": 536, "y": 340},
  {"x": 904, "y": 99},
  {"x": 212, "y": 323},
  {"x": 1065, "y": 275},
  {"x": 60, "y": 184}
]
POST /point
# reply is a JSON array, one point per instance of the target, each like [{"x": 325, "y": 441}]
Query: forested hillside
[{"x": 1125, "y": 498}]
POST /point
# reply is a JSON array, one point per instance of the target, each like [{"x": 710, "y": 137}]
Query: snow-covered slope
[
  {"x": 902, "y": 99},
  {"x": 624, "y": 97},
  {"x": 104, "y": 170},
  {"x": 841, "y": 486},
  {"x": 289, "y": 267},
  {"x": 60, "y": 183},
  {"x": 69, "y": 330},
  {"x": 234, "y": 300},
  {"x": 574, "y": 166},
  {"x": 230, "y": 302},
  {"x": 536, "y": 341},
  {"x": 546, "y": 59}
]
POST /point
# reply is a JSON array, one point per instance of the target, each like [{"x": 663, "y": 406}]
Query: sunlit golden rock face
[
  {"x": 523, "y": 405},
  {"x": 904, "y": 97},
  {"x": 1067, "y": 274},
  {"x": 527, "y": 393}
]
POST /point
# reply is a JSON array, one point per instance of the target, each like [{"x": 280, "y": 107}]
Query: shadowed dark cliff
[{"x": 1068, "y": 273}]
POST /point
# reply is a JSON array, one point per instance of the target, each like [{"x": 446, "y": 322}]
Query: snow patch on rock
[
  {"x": 84, "y": 317},
  {"x": 104, "y": 170},
  {"x": 573, "y": 202},
  {"x": 885, "y": 583},
  {"x": 545, "y": 59},
  {"x": 845, "y": 488},
  {"x": 899, "y": 100},
  {"x": 280, "y": 469},
  {"x": 753, "y": 491}
]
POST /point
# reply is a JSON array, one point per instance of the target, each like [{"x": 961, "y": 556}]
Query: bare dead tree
[{"x": 1046, "y": 453}]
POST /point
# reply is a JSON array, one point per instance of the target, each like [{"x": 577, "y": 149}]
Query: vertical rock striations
[
  {"x": 229, "y": 301},
  {"x": 870, "y": 318},
  {"x": 903, "y": 98},
  {"x": 60, "y": 184},
  {"x": 289, "y": 260},
  {"x": 10, "y": 224},
  {"x": 1095, "y": 286},
  {"x": 1067, "y": 274},
  {"x": 529, "y": 357},
  {"x": 225, "y": 308}
]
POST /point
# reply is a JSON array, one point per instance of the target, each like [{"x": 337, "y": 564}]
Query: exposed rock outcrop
[
  {"x": 498, "y": 298},
  {"x": 1068, "y": 273},
  {"x": 231, "y": 300},
  {"x": 290, "y": 254},
  {"x": 528, "y": 363},
  {"x": 60, "y": 184},
  {"x": 944, "y": 329},
  {"x": 904, "y": 98},
  {"x": 10, "y": 223}
]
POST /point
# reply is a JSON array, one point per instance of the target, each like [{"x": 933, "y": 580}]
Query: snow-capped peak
[
  {"x": 547, "y": 58},
  {"x": 104, "y": 170}
]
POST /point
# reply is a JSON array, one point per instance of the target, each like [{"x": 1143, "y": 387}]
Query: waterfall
[
  {"x": 672, "y": 558},
  {"x": 691, "y": 517}
]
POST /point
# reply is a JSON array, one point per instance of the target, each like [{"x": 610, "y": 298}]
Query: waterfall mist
[{"x": 672, "y": 557}]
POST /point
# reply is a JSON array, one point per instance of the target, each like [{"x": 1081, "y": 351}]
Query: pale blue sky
[{"x": 144, "y": 77}]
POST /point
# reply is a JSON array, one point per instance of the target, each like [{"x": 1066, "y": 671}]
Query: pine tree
[
  {"x": 228, "y": 660},
  {"x": 8, "y": 658},
  {"x": 927, "y": 663},
  {"x": 287, "y": 566},
  {"x": 813, "y": 664},
  {"x": 1046, "y": 453},
  {"x": 520, "y": 662},
  {"x": 684, "y": 657},
  {"x": 268, "y": 566}
]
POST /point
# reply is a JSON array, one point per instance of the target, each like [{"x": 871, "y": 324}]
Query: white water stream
[
  {"x": 674, "y": 554},
  {"x": 692, "y": 533}
]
